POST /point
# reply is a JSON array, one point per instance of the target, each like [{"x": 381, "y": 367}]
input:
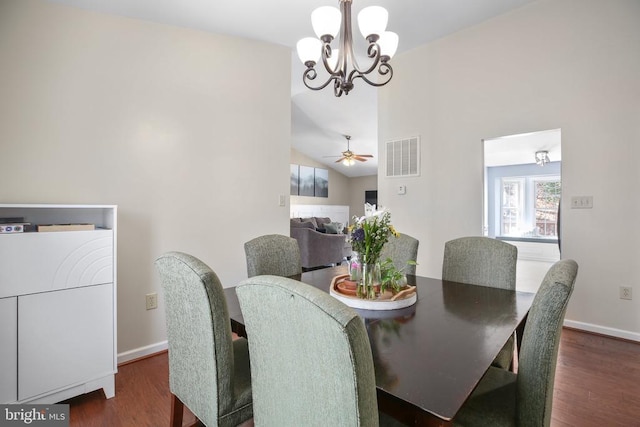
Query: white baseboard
[
  {"x": 136, "y": 353},
  {"x": 589, "y": 327}
]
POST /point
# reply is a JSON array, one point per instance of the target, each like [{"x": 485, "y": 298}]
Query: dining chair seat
[{"x": 504, "y": 398}]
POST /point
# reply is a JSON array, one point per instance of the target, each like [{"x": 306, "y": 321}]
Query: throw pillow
[{"x": 332, "y": 228}]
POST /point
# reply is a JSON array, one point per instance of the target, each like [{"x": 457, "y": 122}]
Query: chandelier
[{"x": 341, "y": 63}]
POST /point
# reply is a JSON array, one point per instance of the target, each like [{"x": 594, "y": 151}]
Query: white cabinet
[
  {"x": 58, "y": 305},
  {"x": 8, "y": 349}
]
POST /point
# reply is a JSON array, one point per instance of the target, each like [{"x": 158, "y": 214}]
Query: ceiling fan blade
[
  {"x": 330, "y": 156},
  {"x": 361, "y": 159},
  {"x": 364, "y": 155},
  {"x": 340, "y": 159}
]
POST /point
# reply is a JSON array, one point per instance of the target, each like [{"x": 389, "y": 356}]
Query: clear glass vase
[
  {"x": 355, "y": 267},
  {"x": 370, "y": 284}
]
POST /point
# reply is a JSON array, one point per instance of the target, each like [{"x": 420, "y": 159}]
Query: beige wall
[
  {"x": 172, "y": 125},
  {"x": 568, "y": 64},
  {"x": 357, "y": 187}
]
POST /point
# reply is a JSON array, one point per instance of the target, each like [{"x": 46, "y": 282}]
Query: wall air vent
[{"x": 403, "y": 157}]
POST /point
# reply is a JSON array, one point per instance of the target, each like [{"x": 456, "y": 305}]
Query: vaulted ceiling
[{"x": 319, "y": 120}]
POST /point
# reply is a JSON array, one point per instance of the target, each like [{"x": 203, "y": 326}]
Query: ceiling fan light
[
  {"x": 372, "y": 20},
  {"x": 348, "y": 162},
  {"x": 326, "y": 20},
  {"x": 388, "y": 43},
  {"x": 309, "y": 49}
]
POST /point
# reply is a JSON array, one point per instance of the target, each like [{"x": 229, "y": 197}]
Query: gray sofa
[{"x": 320, "y": 240}]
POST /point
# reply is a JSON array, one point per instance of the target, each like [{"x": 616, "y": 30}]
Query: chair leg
[{"x": 177, "y": 408}]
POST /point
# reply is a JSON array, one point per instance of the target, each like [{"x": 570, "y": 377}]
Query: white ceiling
[
  {"x": 521, "y": 149},
  {"x": 318, "y": 118}
]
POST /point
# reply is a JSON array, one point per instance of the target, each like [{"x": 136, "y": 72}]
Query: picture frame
[
  {"x": 306, "y": 181},
  {"x": 321, "y": 182},
  {"x": 294, "y": 180}
]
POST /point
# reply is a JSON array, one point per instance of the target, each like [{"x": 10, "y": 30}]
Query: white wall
[
  {"x": 173, "y": 125},
  {"x": 568, "y": 64}
]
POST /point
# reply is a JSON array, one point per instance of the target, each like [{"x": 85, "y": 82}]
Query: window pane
[
  {"x": 547, "y": 199},
  {"x": 511, "y": 210}
]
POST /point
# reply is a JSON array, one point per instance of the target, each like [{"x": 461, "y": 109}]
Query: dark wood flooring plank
[{"x": 597, "y": 384}]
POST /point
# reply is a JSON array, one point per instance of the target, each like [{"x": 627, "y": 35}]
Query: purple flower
[{"x": 358, "y": 235}]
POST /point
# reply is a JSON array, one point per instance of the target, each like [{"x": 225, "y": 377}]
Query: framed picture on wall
[
  {"x": 295, "y": 176},
  {"x": 321, "y": 187},
  {"x": 306, "y": 181}
]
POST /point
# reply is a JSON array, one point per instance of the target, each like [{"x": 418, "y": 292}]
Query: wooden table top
[{"x": 429, "y": 357}]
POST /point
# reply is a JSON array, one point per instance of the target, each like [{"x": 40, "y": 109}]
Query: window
[
  {"x": 529, "y": 207},
  {"x": 512, "y": 206}
]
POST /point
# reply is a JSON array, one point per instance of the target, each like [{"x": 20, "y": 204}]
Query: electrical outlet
[
  {"x": 152, "y": 301},
  {"x": 625, "y": 292}
]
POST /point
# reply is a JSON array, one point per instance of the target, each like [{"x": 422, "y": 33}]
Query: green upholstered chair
[
  {"x": 483, "y": 261},
  {"x": 273, "y": 254},
  {"x": 311, "y": 361},
  {"x": 480, "y": 261},
  {"x": 401, "y": 249},
  {"x": 208, "y": 371},
  {"x": 503, "y": 398}
]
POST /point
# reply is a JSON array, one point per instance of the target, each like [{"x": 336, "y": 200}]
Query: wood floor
[{"x": 597, "y": 384}]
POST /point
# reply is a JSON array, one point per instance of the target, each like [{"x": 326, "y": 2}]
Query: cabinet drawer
[{"x": 40, "y": 262}]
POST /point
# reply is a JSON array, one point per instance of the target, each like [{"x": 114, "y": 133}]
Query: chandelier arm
[
  {"x": 377, "y": 62},
  {"x": 326, "y": 53},
  {"x": 338, "y": 88},
  {"x": 384, "y": 70},
  {"x": 311, "y": 74},
  {"x": 373, "y": 51}
]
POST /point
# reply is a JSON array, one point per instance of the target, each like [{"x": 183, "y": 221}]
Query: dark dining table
[{"x": 430, "y": 356}]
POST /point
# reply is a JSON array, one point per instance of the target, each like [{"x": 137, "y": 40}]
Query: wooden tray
[{"x": 387, "y": 301}]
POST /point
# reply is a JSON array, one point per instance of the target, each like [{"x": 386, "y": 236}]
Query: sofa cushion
[
  {"x": 321, "y": 221},
  {"x": 300, "y": 224},
  {"x": 310, "y": 219}
]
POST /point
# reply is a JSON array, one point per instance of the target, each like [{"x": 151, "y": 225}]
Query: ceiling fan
[{"x": 348, "y": 157}]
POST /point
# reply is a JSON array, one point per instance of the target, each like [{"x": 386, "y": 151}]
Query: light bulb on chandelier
[{"x": 341, "y": 63}]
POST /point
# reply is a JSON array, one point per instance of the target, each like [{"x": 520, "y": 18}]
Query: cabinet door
[
  {"x": 64, "y": 338},
  {"x": 8, "y": 350}
]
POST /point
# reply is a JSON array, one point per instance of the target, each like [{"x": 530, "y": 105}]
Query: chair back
[
  {"x": 273, "y": 254},
  {"x": 540, "y": 341},
  {"x": 311, "y": 361},
  {"x": 401, "y": 249},
  {"x": 478, "y": 260},
  {"x": 199, "y": 336}
]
